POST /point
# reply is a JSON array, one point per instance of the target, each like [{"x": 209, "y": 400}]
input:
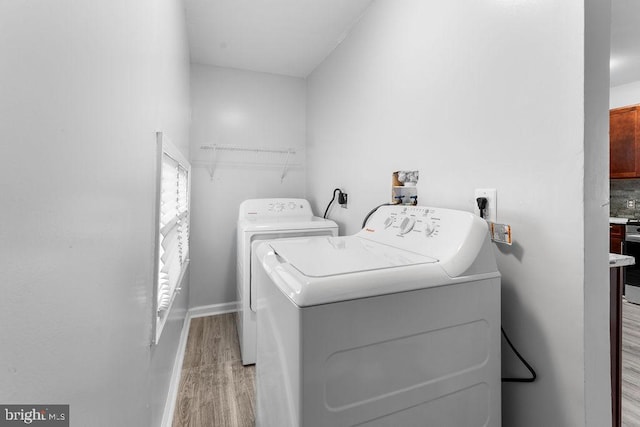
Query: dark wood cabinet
[
  {"x": 624, "y": 142},
  {"x": 616, "y": 283},
  {"x": 615, "y": 339},
  {"x": 616, "y": 238}
]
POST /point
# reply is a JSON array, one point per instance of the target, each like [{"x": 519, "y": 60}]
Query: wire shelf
[{"x": 248, "y": 156}]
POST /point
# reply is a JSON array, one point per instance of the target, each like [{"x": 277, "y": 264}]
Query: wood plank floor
[
  {"x": 630, "y": 365},
  {"x": 215, "y": 389}
]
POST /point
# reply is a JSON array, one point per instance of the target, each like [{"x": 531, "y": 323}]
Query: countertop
[
  {"x": 617, "y": 260},
  {"x": 613, "y": 220}
]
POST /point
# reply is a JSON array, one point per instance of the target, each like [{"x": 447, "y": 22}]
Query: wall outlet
[
  {"x": 491, "y": 210},
  {"x": 342, "y": 200},
  {"x": 631, "y": 204}
]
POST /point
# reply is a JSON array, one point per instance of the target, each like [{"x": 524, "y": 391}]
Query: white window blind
[{"x": 172, "y": 257}]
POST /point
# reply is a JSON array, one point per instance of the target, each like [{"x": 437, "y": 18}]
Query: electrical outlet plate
[
  {"x": 501, "y": 233},
  {"x": 491, "y": 212}
]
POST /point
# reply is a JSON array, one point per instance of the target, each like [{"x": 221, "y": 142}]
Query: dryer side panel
[{"x": 424, "y": 357}]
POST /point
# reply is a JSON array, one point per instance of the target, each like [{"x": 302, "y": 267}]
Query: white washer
[
  {"x": 397, "y": 325},
  {"x": 261, "y": 219}
]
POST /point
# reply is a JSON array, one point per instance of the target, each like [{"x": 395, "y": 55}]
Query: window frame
[{"x": 165, "y": 146}]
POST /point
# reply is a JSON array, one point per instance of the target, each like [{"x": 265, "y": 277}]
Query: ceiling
[
  {"x": 288, "y": 37},
  {"x": 625, "y": 41},
  {"x": 291, "y": 37}
]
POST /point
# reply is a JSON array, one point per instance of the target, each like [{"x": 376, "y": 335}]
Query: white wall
[
  {"x": 475, "y": 95},
  {"x": 247, "y": 109},
  {"x": 171, "y": 96},
  {"x": 596, "y": 212},
  {"x": 85, "y": 87},
  {"x": 623, "y": 95}
]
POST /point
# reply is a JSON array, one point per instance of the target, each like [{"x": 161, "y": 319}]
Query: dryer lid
[
  {"x": 249, "y": 225},
  {"x": 331, "y": 256}
]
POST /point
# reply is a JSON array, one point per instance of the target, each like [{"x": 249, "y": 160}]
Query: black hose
[
  {"x": 518, "y": 380},
  {"x": 366, "y": 218},
  {"x": 332, "y": 199}
]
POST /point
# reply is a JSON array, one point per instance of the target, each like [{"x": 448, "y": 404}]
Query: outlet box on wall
[{"x": 491, "y": 210}]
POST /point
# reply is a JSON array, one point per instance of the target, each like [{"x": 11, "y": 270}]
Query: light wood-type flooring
[
  {"x": 630, "y": 365},
  {"x": 217, "y": 391}
]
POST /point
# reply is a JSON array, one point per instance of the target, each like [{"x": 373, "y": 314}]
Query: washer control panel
[
  {"x": 435, "y": 232},
  {"x": 413, "y": 219}
]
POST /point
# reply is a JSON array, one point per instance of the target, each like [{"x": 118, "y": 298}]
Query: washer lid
[{"x": 330, "y": 256}]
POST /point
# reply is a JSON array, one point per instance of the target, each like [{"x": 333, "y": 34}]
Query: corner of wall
[{"x": 597, "y": 384}]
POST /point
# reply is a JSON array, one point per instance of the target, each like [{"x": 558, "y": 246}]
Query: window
[{"x": 172, "y": 243}]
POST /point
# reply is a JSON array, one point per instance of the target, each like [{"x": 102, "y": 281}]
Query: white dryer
[
  {"x": 261, "y": 219},
  {"x": 397, "y": 325}
]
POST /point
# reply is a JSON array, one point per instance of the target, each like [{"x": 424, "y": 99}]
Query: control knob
[
  {"x": 292, "y": 205},
  {"x": 429, "y": 228},
  {"x": 407, "y": 225},
  {"x": 387, "y": 222}
]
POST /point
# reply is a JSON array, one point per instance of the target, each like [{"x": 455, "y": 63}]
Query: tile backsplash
[{"x": 621, "y": 191}]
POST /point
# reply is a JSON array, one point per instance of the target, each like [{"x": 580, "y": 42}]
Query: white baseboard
[
  {"x": 213, "y": 309},
  {"x": 174, "y": 384}
]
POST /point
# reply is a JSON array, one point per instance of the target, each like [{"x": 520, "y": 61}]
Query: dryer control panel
[
  {"x": 266, "y": 208},
  {"x": 443, "y": 234}
]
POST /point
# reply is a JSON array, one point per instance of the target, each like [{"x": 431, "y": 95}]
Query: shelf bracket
[{"x": 284, "y": 168}]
